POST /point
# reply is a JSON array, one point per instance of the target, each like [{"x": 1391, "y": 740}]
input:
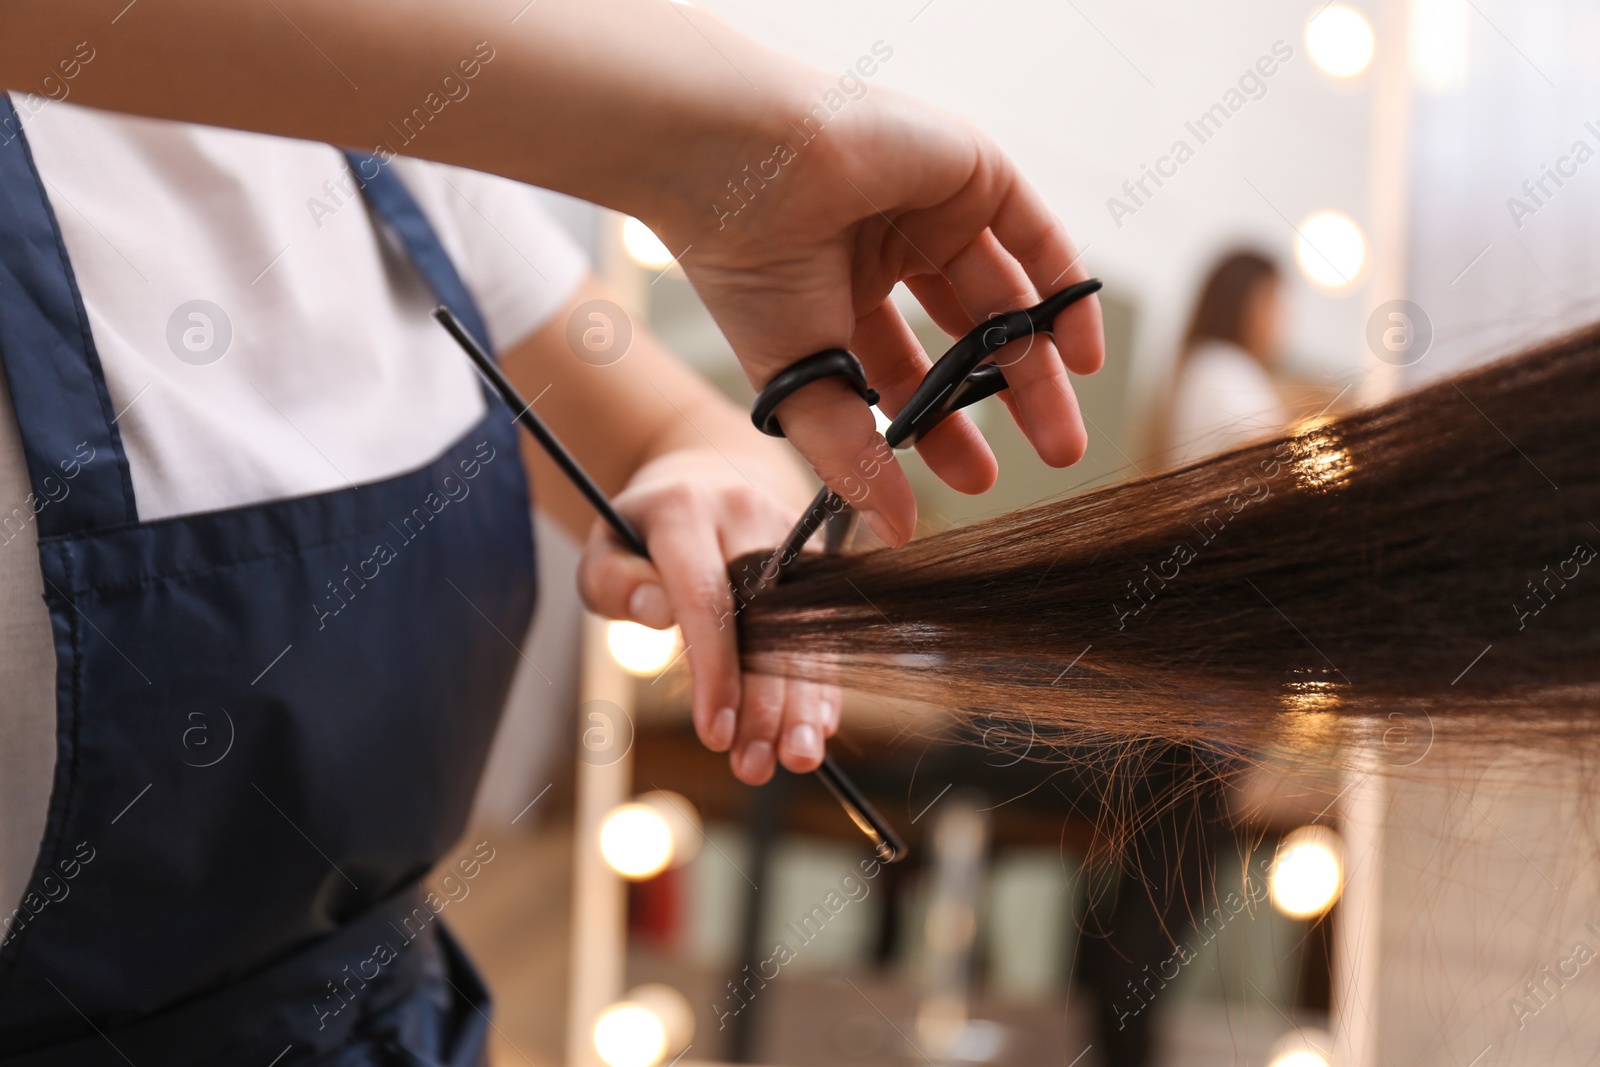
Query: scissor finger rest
[{"x": 959, "y": 378}]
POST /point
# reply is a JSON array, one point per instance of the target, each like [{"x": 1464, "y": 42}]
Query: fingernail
[
  {"x": 805, "y": 742},
  {"x": 756, "y": 759},
  {"x": 721, "y": 732},
  {"x": 830, "y": 714},
  {"x": 648, "y": 606}
]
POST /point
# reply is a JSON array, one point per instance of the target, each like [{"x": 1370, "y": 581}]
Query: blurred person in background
[{"x": 1223, "y": 392}]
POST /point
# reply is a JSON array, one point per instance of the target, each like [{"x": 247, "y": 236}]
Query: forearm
[{"x": 635, "y": 104}]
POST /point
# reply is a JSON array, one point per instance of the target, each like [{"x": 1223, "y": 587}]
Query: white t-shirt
[
  {"x": 1223, "y": 397},
  {"x": 334, "y": 374}
]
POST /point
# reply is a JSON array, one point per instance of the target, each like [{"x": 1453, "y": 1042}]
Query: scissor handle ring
[{"x": 829, "y": 363}]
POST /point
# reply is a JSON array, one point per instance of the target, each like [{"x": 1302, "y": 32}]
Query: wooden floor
[{"x": 514, "y": 925}]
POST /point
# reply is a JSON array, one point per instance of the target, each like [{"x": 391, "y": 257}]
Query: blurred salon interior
[{"x": 1297, "y": 208}]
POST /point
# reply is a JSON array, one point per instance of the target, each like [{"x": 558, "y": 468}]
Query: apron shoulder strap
[
  {"x": 393, "y": 203},
  {"x": 76, "y": 466}
]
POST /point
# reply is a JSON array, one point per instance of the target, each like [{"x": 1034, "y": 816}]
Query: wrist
[
  {"x": 714, "y": 137},
  {"x": 691, "y": 201}
]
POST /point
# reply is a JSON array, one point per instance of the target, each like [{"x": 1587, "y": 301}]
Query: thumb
[{"x": 619, "y": 584}]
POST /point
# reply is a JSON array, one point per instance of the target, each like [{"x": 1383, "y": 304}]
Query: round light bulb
[
  {"x": 1300, "y": 1058},
  {"x": 630, "y": 1035},
  {"x": 636, "y": 841},
  {"x": 1303, "y": 1047},
  {"x": 1340, "y": 41},
  {"x": 1308, "y": 872},
  {"x": 639, "y": 650},
  {"x": 643, "y": 245},
  {"x": 1441, "y": 44},
  {"x": 669, "y": 1006},
  {"x": 1331, "y": 250},
  {"x": 683, "y": 821}
]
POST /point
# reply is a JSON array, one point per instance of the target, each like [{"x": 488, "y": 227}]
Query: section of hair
[{"x": 1437, "y": 552}]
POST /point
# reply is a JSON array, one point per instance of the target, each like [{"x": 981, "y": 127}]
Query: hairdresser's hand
[
  {"x": 696, "y": 512},
  {"x": 888, "y": 191}
]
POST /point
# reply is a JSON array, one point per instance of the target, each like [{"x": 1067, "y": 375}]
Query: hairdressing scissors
[
  {"x": 964, "y": 375},
  {"x": 886, "y": 843}
]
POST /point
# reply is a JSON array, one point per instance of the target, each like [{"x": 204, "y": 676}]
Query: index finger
[
  {"x": 685, "y": 547},
  {"x": 988, "y": 280},
  {"x": 1032, "y": 235}
]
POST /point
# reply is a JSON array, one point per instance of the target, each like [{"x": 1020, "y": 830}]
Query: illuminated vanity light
[
  {"x": 1331, "y": 250},
  {"x": 629, "y": 1034},
  {"x": 669, "y": 1006},
  {"x": 650, "y": 1023},
  {"x": 636, "y": 841},
  {"x": 1305, "y": 1047},
  {"x": 1440, "y": 37},
  {"x": 643, "y": 246},
  {"x": 1307, "y": 872},
  {"x": 1340, "y": 41},
  {"x": 650, "y": 833},
  {"x": 639, "y": 650},
  {"x": 1303, "y": 1057}
]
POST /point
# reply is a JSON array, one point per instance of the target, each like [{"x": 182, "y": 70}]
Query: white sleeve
[
  {"x": 1222, "y": 401},
  {"x": 520, "y": 265}
]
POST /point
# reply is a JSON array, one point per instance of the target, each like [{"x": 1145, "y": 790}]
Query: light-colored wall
[
  {"x": 1488, "y": 879},
  {"x": 1533, "y": 83}
]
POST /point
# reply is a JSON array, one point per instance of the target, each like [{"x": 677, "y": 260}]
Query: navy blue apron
[{"x": 255, "y": 895}]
